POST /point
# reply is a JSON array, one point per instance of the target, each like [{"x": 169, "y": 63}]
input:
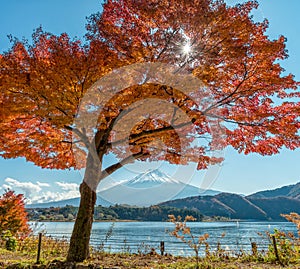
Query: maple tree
[
  {"x": 44, "y": 85},
  {"x": 13, "y": 217}
]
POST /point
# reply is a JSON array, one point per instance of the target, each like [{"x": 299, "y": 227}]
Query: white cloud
[
  {"x": 5, "y": 186},
  {"x": 42, "y": 184},
  {"x": 26, "y": 187},
  {"x": 68, "y": 186},
  {"x": 68, "y": 191},
  {"x": 49, "y": 196},
  {"x": 34, "y": 192}
]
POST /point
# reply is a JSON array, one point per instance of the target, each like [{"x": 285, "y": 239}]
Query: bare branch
[{"x": 114, "y": 167}]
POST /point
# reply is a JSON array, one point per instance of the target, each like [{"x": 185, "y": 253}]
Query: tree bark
[
  {"x": 79, "y": 243},
  {"x": 80, "y": 239}
]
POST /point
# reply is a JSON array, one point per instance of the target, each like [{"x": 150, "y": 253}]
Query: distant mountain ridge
[
  {"x": 264, "y": 205},
  {"x": 72, "y": 201},
  {"x": 290, "y": 191},
  {"x": 150, "y": 187}
]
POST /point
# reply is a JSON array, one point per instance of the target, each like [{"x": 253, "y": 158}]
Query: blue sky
[{"x": 239, "y": 173}]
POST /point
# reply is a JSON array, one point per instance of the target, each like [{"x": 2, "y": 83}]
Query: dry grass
[
  {"x": 54, "y": 252},
  {"x": 131, "y": 261}
]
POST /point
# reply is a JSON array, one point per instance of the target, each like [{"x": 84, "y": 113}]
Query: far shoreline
[{"x": 203, "y": 221}]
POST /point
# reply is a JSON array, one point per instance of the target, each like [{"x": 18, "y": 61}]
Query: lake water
[{"x": 140, "y": 237}]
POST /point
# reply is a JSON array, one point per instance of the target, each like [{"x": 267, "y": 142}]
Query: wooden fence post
[
  {"x": 39, "y": 249},
  {"x": 254, "y": 248},
  {"x": 162, "y": 248},
  {"x": 276, "y": 250}
]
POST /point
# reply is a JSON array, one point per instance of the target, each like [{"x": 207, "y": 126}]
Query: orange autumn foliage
[
  {"x": 42, "y": 84},
  {"x": 253, "y": 104},
  {"x": 13, "y": 217},
  {"x": 295, "y": 218}
]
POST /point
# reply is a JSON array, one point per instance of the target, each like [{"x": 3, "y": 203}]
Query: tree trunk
[
  {"x": 79, "y": 244},
  {"x": 80, "y": 239}
]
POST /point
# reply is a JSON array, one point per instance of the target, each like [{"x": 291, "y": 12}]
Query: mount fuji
[
  {"x": 150, "y": 188},
  {"x": 149, "y": 179}
]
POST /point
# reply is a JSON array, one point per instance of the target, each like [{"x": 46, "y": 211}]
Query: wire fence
[
  {"x": 57, "y": 244},
  {"x": 176, "y": 247},
  {"x": 145, "y": 243},
  {"x": 231, "y": 239}
]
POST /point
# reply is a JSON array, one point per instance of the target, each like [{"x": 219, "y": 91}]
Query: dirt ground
[{"x": 119, "y": 261}]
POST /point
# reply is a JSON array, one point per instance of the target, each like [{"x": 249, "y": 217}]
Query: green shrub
[{"x": 11, "y": 242}]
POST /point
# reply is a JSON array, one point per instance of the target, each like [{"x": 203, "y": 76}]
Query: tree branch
[
  {"x": 114, "y": 167},
  {"x": 150, "y": 132}
]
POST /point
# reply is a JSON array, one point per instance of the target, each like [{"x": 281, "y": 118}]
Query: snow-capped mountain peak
[{"x": 150, "y": 178}]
